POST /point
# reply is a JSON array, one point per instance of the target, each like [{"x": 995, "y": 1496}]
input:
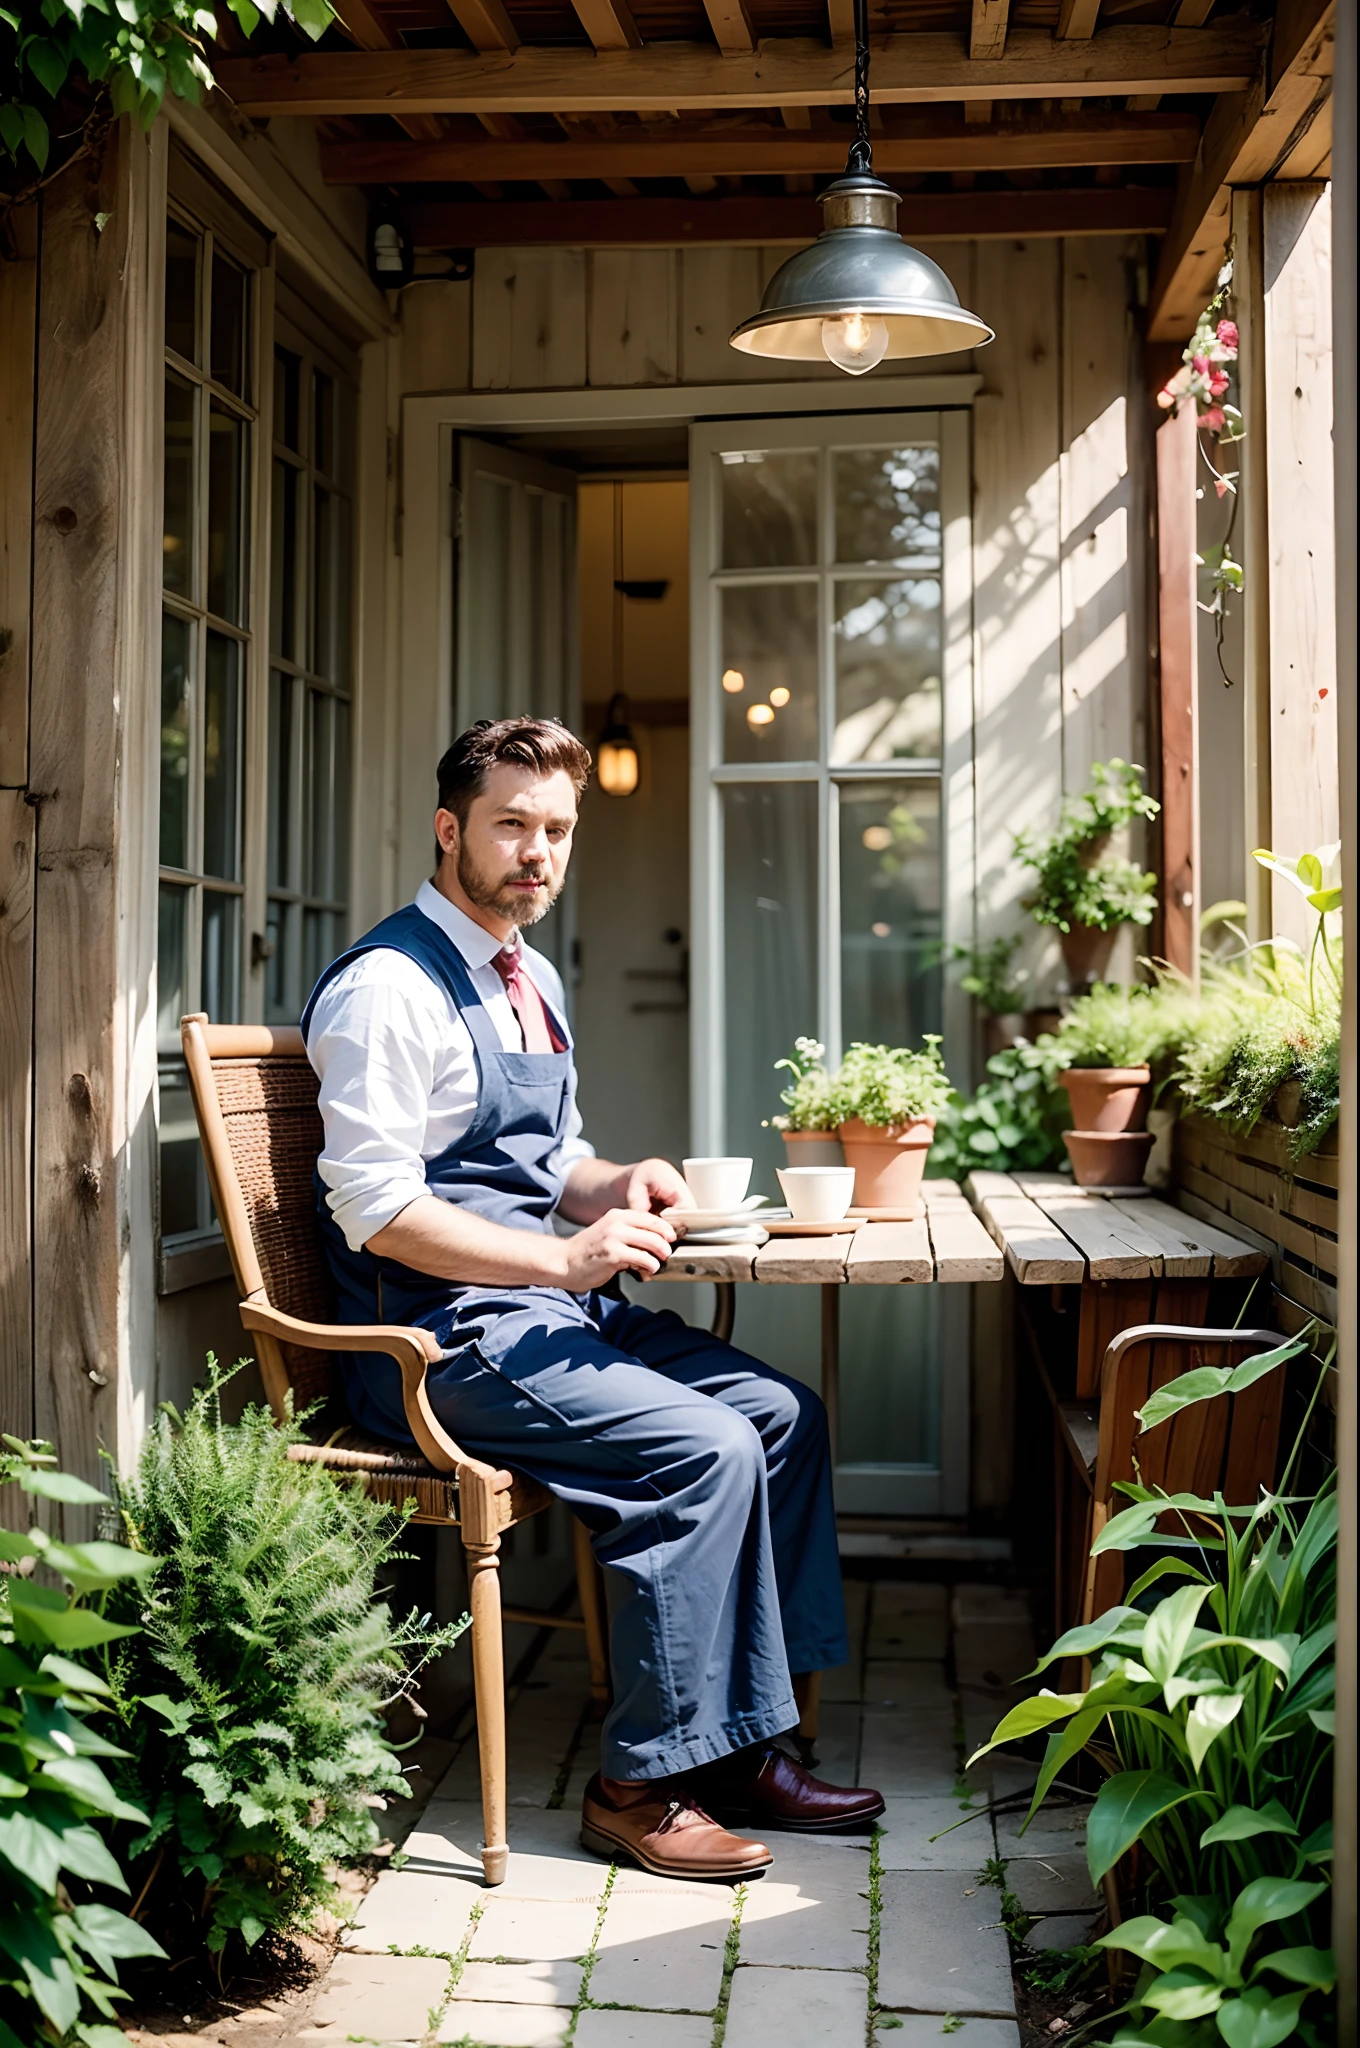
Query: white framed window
[{"x": 832, "y": 829}]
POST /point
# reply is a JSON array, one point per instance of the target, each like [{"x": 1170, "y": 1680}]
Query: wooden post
[
  {"x": 1178, "y": 624},
  {"x": 1254, "y": 554}
]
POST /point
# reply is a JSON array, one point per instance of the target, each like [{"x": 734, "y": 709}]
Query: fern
[{"x": 253, "y": 1697}]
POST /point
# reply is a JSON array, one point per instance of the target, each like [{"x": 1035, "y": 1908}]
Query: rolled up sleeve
[{"x": 374, "y": 1049}]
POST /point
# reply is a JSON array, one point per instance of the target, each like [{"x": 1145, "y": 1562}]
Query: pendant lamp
[{"x": 860, "y": 294}]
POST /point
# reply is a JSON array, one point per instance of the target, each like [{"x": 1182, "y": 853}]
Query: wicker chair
[{"x": 255, "y": 1096}]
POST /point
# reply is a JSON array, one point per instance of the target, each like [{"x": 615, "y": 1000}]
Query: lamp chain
[{"x": 861, "y": 158}]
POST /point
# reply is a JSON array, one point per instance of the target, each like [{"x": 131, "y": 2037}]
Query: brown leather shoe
[
  {"x": 666, "y": 1834},
  {"x": 763, "y": 1787}
]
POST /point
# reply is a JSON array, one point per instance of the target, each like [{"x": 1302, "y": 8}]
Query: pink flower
[
  {"x": 1218, "y": 383},
  {"x": 1200, "y": 365},
  {"x": 1227, "y": 335},
  {"x": 1221, "y": 489},
  {"x": 1213, "y": 419}
]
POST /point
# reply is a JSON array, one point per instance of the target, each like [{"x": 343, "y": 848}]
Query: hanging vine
[{"x": 1205, "y": 380}]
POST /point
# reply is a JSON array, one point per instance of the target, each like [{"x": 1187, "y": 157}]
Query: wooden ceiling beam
[
  {"x": 370, "y": 32},
  {"x": 609, "y": 24},
  {"x": 840, "y": 19},
  {"x": 486, "y": 24},
  {"x": 908, "y": 70},
  {"x": 765, "y": 152},
  {"x": 987, "y": 33},
  {"x": 731, "y": 26},
  {"x": 1246, "y": 138},
  {"x": 1077, "y": 20},
  {"x": 764, "y": 222}
]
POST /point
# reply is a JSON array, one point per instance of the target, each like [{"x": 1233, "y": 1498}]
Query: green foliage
[
  {"x": 1015, "y": 1120},
  {"x": 253, "y": 1698},
  {"x": 1212, "y": 1709},
  {"x": 137, "y": 50},
  {"x": 1079, "y": 882},
  {"x": 1114, "y": 1026},
  {"x": 886, "y": 1085},
  {"x": 59, "y": 1954},
  {"x": 808, "y": 1100},
  {"x": 989, "y": 979}
]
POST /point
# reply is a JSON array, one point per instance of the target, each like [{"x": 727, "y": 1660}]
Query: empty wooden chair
[
  {"x": 255, "y": 1096},
  {"x": 1227, "y": 1445}
]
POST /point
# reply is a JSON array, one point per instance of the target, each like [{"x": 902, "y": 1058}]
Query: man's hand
[
  {"x": 623, "y": 1240},
  {"x": 654, "y": 1184},
  {"x": 597, "y": 1186}
]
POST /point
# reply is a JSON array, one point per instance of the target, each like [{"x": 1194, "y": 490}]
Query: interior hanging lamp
[{"x": 860, "y": 293}]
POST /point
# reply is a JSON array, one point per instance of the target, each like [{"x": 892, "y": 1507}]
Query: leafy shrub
[
  {"x": 59, "y": 1954},
  {"x": 990, "y": 979},
  {"x": 1115, "y": 1026},
  {"x": 253, "y": 1698},
  {"x": 1015, "y": 1119},
  {"x": 1079, "y": 883},
  {"x": 886, "y": 1085},
  {"x": 809, "y": 1101},
  {"x": 1213, "y": 1712}
]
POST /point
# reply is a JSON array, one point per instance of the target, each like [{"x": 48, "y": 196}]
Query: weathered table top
[
  {"x": 1055, "y": 1234},
  {"x": 946, "y": 1244}
]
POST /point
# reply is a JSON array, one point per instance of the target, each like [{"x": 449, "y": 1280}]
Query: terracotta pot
[
  {"x": 1086, "y": 952},
  {"x": 889, "y": 1164},
  {"x": 1108, "y": 1098},
  {"x": 813, "y": 1148},
  {"x": 1001, "y": 1032},
  {"x": 1108, "y": 1159}
]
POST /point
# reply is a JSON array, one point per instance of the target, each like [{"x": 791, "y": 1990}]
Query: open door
[{"x": 515, "y": 633}]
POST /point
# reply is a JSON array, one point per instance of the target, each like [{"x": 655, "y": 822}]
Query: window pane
[
  {"x": 172, "y": 958},
  {"x": 324, "y": 583},
  {"x": 281, "y": 857},
  {"x": 287, "y": 379},
  {"x": 890, "y": 911},
  {"x": 178, "y": 544},
  {"x": 183, "y": 1191},
  {"x": 182, "y": 250},
  {"x": 887, "y": 503},
  {"x": 340, "y": 805},
  {"x": 890, "y": 1375},
  {"x": 221, "y": 970},
  {"x": 769, "y": 509},
  {"x": 176, "y": 638},
  {"x": 226, "y": 520},
  {"x": 341, "y": 513},
  {"x": 323, "y": 423},
  {"x": 230, "y": 314},
  {"x": 320, "y": 944},
  {"x": 769, "y": 672},
  {"x": 488, "y": 680},
  {"x": 283, "y": 562},
  {"x": 769, "y": 953},
  {"x": 320, "y": 769},
  {"x": 222, "y": 758},
  {"x": 887, "y": 670},
  {"x": 282, "y": 999}
]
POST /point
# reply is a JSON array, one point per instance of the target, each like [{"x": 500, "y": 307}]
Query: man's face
[{"x": 511, "y": 856}]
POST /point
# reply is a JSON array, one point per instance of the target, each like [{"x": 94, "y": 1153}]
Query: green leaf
[
  {"x": 1126, "y": 1804},
  {"x": 1093, "y": 1635},
  {"x": 1169, "y": 1629},
  {"x": 1256, "y": 2020},
  {"x": 1240, "y": 1823},
  {"x": 111, "y": 1937},
  {"x": 1308, "y": 868},
  {"x": 47, "y": 63},
  {"x": 1315, "y": 1967},
  {"x": 176, "y": 1713},
  {"x": 1325, "y": 900},
  {"x": 74, "y": 1675},
  {"x": 1264, "y": 1900},
  {"x": 81, "y": 1775},
  {"x": 1166, "y": 1567},
  {"x": 1317, "y": 1847},
  {"x": 1323, "y": 1719},
  {"x": 1181, "y": 1945},
  {"x": 1206, "y": 1721},
  {"x": 60, "y": 1485},
  {"x": 15, "y": 1672},
  {"x": 102, "y": 2037},
  {"x": 92, "y": 1567},
  {"x": 1184, "y": 1995},
  {"x": 41, "y": 1614},
  {"x": 1029, "y": 1717}
]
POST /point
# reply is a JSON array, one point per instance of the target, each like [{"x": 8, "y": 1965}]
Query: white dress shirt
[{"x": 398, "y": 1071}]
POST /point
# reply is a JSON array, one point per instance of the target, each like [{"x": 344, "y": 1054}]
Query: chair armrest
[
  {"x": 1180, "y": 1333},
  {"x": 414, "y": 1351}
]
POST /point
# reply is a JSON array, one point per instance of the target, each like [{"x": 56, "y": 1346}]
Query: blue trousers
[{"x": 704, "y": 1477}]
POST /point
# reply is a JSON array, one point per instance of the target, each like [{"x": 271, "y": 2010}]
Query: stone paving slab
[
  {"x": 908, "y": 1825},
  {"x": 918, "y": 1687},
  {"x": 1056, "y": 1884},
  {"x": 406, "y": 1910},
  {"x": 532, "y": 1930},
  {"x": 643, "y": 2030},
  {"x": 1061, "y": 1930},
  {"x": 938, "y": 1951},
  {"x": 912, "y": 1758},
  {"x": 505, "y": 2026},
  {"x": 993, "y": 1653},
  {"x": 922, "y": 2030},
  {"x": 546, "y": 1857},
  {"x": 1055, "y": 1829},
  {"x": 662, "y": 1949},
  {"x": 810, "y": 1912},
  {"x": 521, "y": 1983},
  {"x": 898, "y": 1637},
  {"x": 797, "y": 2008},
  {"x": 382, "y": 1998}
]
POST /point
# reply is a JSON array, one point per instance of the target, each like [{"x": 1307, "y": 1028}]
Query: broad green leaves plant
[
  {"x": 885, "y": 1085},
  {"x": 59, "y": 1946},
  {"x": 1015, "y": 1119},
  {"x": 1079, "y": 881}
]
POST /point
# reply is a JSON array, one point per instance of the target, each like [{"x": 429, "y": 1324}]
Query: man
[{"x": 451, "y": 1141}]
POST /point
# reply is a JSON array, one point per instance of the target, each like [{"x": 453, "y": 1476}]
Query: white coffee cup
[
  {"x": 817, "y": 1194},
  {"x": 718, "y": 1184}
]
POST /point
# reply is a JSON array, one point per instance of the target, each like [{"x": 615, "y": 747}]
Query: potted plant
[
  {"x": 1108, "y": 1042},
  {"x": 809, "y": 1118},
  {"x": 995, "y": 987},
  {"x": 1085, "y": 891},
  {"x": 887, "y": 1099}
]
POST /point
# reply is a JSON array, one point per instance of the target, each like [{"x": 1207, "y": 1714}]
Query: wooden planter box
[{"x": 1290, "y": 1210}]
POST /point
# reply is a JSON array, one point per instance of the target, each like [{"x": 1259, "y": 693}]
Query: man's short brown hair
[{"x": 542, "y": 745}]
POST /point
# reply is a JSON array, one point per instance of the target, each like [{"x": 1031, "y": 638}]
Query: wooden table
[{"x": 947, "y": 1244}]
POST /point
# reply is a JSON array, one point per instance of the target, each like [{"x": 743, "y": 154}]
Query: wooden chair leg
[
  {"x": 481, "y": 1541},
  {"x": 592, "y": 1610}
]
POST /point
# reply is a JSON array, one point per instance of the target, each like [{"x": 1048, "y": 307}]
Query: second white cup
[
  {"x": 719, "y": 1184},
  {"x": 817, "y": 1194}
]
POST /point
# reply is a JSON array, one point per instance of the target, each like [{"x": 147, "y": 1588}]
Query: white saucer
[
  {"x": 735, "y": 1233},
  {"x": 719, "y": 1219}
]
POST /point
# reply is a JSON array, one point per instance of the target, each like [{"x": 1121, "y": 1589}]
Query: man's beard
[{"x": 494, "y": 893}]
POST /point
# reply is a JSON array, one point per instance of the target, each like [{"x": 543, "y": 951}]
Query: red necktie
[{"x": 526, "y": 1002}]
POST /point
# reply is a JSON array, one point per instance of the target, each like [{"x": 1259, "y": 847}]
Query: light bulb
[
  {"x": 855, "y": 342},
  {"x": 759, "y": 714},
  {"x": 779, "y": 697},
  {"x": 733, "y": 680},
  {"x": 617, "y": 767}
]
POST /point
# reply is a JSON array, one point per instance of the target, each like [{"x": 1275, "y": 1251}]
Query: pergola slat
[{"x": 987, "y": 33}]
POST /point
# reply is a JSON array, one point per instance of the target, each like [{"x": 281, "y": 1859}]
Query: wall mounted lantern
[
  {"x": 391, "y": 256},
  {"x": 860, "y": 293},
  {"x": 616, "y": 761}
]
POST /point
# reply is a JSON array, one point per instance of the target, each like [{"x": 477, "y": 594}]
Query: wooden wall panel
[
  {"x": 436, "y": 337},
  {"x": 529, "y": 320},
  {"x": 1304, "y": 795},
  {"x": 632, "y": 327},
  {"x": 1016, "y": 595},
  {"x": 74, "y": 773},
  {"x": 1177, "y": 638},
  {"x": 712, "y": 281},
  {"x": 18, "y": 313},
  {"x": 17, "y": 820}
]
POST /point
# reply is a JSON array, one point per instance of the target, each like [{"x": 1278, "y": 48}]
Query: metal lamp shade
[{"x": 859, "y": 264}]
